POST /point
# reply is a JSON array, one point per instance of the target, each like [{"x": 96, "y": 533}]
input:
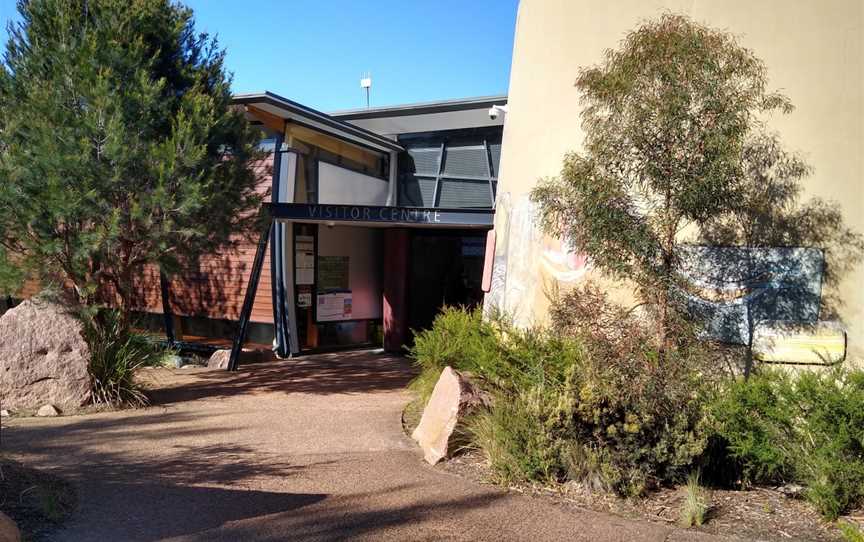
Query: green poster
[{"x": 332, "y": 273}]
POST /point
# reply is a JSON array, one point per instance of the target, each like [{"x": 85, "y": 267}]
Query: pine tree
[{"x": 119, "y": 146}]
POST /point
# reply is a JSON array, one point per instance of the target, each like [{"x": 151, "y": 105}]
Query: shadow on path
[{"x": 350, "y": 372}]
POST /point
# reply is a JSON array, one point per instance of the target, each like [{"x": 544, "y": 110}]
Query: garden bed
[
  {"x": 758, "y": 514},
  {"x": 37, "y": 501}
]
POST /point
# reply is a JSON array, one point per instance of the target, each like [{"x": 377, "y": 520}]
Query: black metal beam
[
  {"x": 167, "y": 313},
  {"x": 249, "y": 299}
]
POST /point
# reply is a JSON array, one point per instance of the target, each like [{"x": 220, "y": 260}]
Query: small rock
[
  {"x": 219, "y": 359},
  {"x": 8, "y": 530},
  {"x": 48, "y": 410},
  {"x": 5, "y": 413},
  {"x": 176, "y": 361},
  {"x": 792, "y": 491}
]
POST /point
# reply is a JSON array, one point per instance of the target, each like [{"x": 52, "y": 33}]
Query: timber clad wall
[{"x": 215, "y": 288}]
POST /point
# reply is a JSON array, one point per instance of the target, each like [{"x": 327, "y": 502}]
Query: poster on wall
[
  {"x": 334, "y": 306},
  {"x": 304, "y": 258},
  {"x": 332, "y": 273},
  {"x": 304, "y": 297}
]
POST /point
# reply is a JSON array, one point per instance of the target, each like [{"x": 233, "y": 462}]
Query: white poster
[
  {"x": 304, "y": 253},
  {"x": 334, "y": 307}
]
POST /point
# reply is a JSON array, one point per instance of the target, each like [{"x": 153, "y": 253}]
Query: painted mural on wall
[
  {"x": 733, "y": 289},
  {"x": 527, "y": 261},
  {"x": 767, "y": 298}
]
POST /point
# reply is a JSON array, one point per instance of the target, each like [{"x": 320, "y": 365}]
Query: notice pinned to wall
[
  {"x": 304, "y": 258},
  {"x": 304, "y": 297},
  {"x": 333, "y": 273},
  {"x": 334, "y": 306}
]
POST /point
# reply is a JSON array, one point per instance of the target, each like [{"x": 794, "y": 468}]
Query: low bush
[
  {"x": 459, "y": 338},
  {"x": 592, "y": 399},
  {"x": 574, "y": 402},
  {"x": 116, "y": 354},
  {"x": 806, "y": 428}
]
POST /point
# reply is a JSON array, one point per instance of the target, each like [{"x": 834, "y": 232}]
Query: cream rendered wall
[{"x": 814, "y": 52}]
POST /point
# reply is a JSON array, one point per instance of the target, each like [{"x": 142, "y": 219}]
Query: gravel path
[{"x": 306, "y": 449}]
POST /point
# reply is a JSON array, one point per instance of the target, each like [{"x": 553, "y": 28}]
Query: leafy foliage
[
  {"x": 807, "y": 428},
  {"x": 769, "y": 212},
  {"x": 119, "y": 146},
  {"x": 568, "y": 405},
  {"x": 666, "y": 120}
]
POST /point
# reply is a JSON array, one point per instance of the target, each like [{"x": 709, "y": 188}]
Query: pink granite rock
[
  {"x": 451, "y": 399},
  {"x": 43, "y": 357}
]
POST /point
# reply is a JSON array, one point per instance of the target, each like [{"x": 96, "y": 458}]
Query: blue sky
[{"x": 314, "y": 51}]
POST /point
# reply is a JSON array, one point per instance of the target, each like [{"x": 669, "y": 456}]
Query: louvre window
[
  {"x": 456, "y": 193},
  {"x": 495, "y": 155},
  {"x": 417, "y": 192},
  {"x": 426, "y": 160},
  {"x": 454, "y": 169},
  {"x": 466, "y": 162}
]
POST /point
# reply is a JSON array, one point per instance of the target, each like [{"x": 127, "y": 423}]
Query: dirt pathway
[{"x": 308, "y": 449}]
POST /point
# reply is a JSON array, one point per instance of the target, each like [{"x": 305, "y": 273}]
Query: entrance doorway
[{"x": 445, "y": 268}]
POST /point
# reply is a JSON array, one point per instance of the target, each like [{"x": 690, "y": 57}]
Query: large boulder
[
  {"x": 8, "y": 530},
  {"x": 453, "y": 397},
  {"x": 43, "y": 358}
]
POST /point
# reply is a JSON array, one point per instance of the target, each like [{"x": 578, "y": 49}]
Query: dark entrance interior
[{"x": 444, "y": 268}]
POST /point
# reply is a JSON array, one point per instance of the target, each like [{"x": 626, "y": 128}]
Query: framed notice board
[{"x": 333, "y": 273}]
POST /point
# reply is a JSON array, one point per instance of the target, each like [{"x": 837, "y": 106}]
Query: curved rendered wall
[{"x": 814, "y": 52}]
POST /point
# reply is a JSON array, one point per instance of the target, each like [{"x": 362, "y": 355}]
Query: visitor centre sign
[{"x": 406, "y": 216}]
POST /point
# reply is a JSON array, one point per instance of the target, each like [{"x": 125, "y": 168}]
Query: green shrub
[
  {"x": 115, "y": 355},
  {"x": 459, "y": 338},
  {"x": 640, "y": 412},
  {"x": 646, "y": 422},
  {"x": 527, "y": 433},
  {"x": 807, "y": 428},
  {"x": 518, "y": 438},
  {"x": 570, "y": 404}
]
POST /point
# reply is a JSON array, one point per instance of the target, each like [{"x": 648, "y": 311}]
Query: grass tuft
[
  {"x": 116, "y": 354},
  {"x": 850, "y": 532},
  {"x": 696, "y": 503}
]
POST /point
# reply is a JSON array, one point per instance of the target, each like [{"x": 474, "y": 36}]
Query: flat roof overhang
[
  {"x": 291, "y": 111},
  {"x": 421, "y": 108},
  {"x": 381, "y": 216}
]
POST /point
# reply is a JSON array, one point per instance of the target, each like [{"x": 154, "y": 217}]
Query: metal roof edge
[
  {"x": 318, "y": 116},
  {"x": 421, "y": 108}
]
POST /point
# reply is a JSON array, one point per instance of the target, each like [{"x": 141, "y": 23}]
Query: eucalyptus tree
[{"x": 667, "y": 118}]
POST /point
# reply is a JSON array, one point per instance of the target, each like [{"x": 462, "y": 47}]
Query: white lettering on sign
[{"x": 373, "y": 214}]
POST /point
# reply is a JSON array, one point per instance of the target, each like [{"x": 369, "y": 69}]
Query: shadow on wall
[
  {"x": 211, "y": 287},
  {"x": 766, "y": 298},
  {"x": 784, "y": 302}
]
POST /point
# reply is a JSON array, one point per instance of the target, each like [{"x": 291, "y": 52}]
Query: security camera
[{"x": 497, "y": 110}]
